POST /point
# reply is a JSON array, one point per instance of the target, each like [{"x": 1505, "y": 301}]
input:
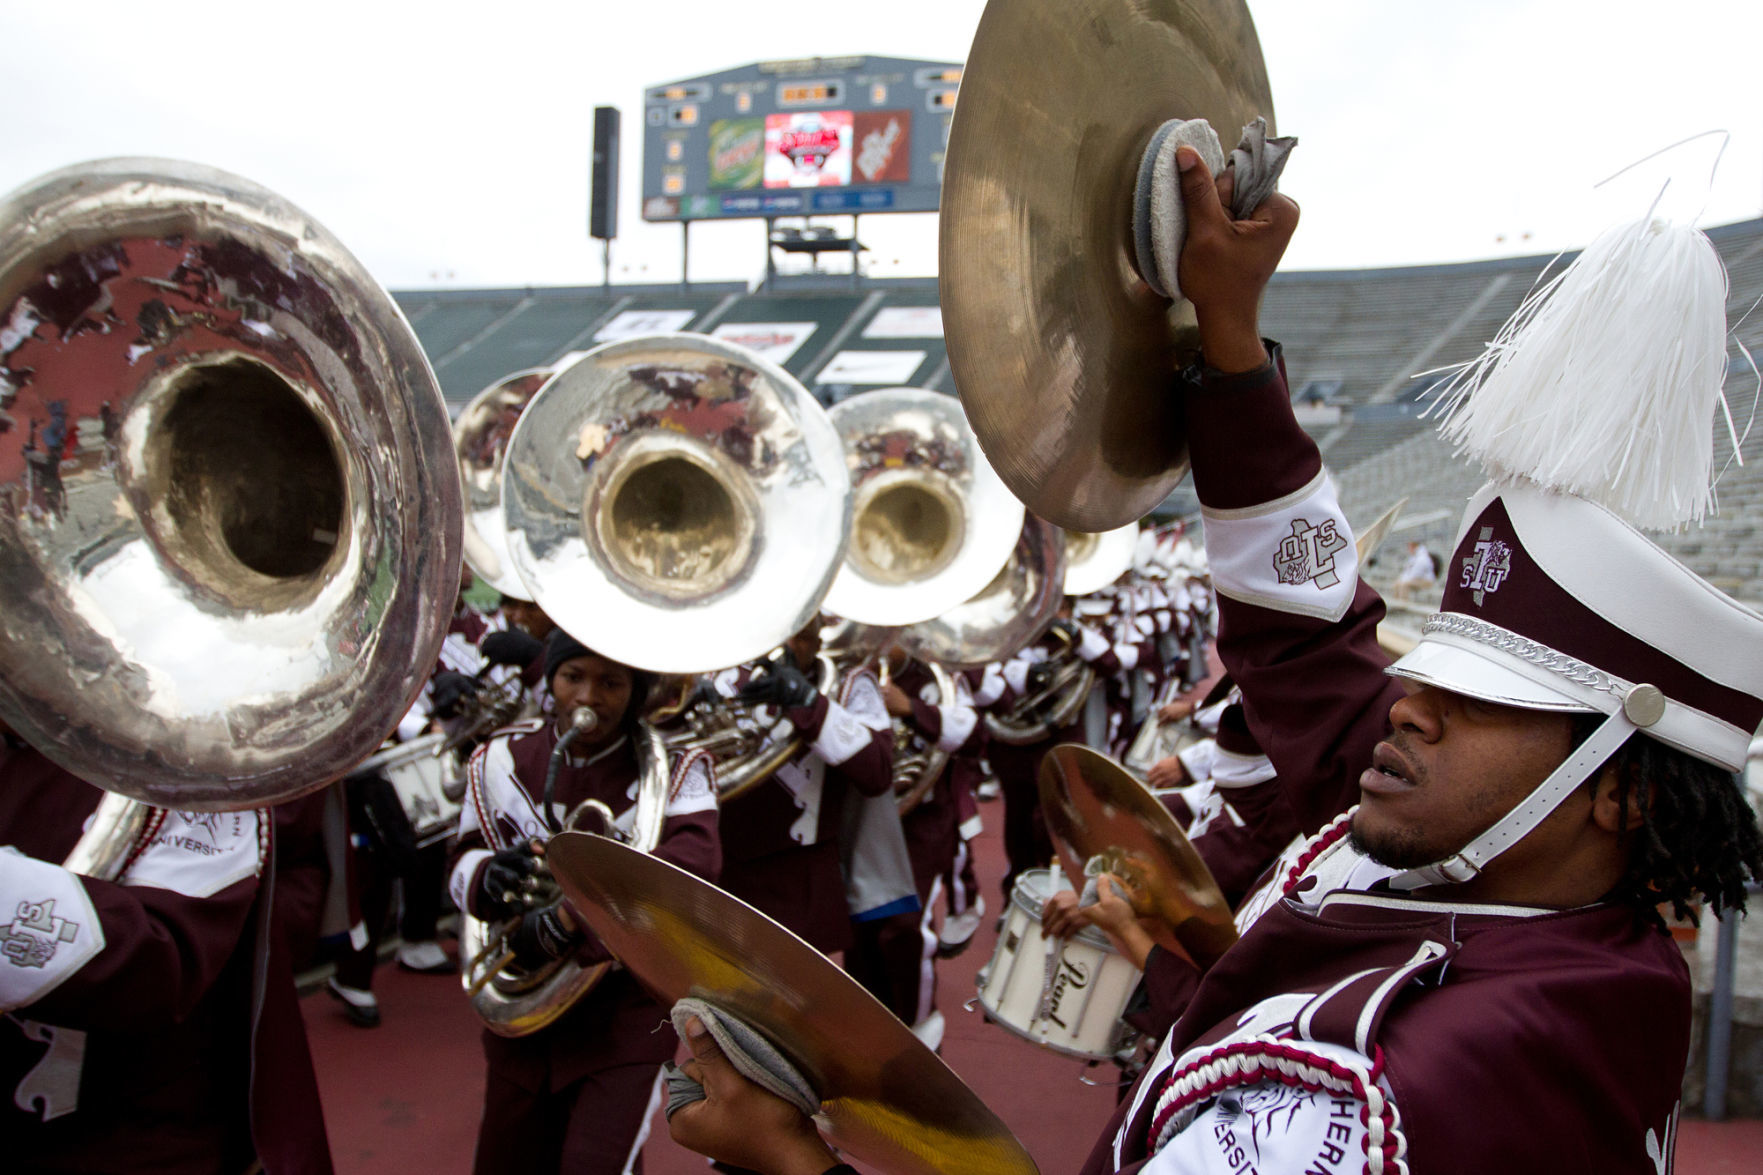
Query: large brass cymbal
[
  {"x": 1094, "y": 807},
  {"x": 1062, "y": 354},
  {"x": 887, "y": 1099}
]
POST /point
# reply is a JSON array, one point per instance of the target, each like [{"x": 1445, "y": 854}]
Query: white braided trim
[
  {"x": 1268, "y": 1058},
  {"x": 1316, "y": 846}
]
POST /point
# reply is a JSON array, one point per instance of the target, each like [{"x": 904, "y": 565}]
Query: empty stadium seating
[{"x": 1369, "y": 331}]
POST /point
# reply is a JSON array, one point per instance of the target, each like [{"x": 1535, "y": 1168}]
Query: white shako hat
[{"x": 1593, "y": 411}]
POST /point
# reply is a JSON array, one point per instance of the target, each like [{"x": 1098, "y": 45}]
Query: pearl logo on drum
[{"x": 1072, "y": 976}]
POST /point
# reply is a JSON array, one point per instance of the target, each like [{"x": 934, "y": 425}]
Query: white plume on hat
[{"x": 1604, "y": 383}]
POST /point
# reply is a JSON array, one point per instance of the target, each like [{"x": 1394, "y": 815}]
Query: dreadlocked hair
[{"x": 1697, "y": 834}]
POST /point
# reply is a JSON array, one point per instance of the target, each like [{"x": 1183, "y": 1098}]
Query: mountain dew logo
[{"x": 737, "y": 153}]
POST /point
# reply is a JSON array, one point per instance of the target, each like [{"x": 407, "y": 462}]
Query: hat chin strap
[{"x": 1517, "y": 824}]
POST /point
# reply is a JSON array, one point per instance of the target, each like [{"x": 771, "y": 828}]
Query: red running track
[{"x": 406, "y": 1096}]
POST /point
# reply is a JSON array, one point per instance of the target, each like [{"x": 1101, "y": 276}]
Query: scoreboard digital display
[{"x": 820, "y": 136}]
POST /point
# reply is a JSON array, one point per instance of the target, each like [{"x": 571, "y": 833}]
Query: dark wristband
[{"x": 841, "y": 1169}]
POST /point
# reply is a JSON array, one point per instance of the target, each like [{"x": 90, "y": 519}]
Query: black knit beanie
[{"x": 561, "y": 647}]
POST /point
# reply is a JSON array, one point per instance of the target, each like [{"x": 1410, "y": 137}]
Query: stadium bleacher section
[{"x": 1361, "y": 334}]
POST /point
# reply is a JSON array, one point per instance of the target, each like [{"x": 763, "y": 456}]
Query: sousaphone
[
  {"x": 480, "y": 438},
  {"x": 1005, "y": 616},
  {"x": 931, "y": 523},
  {"x": 676, "y": 502},
  {"x": 679, "y": 504},
  {"x": 229, "y": 509},
  {"x": 1065, "y": 357},
  {"x": 1093, "y": 561}
]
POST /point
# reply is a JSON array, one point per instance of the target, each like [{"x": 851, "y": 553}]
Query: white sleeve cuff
[
  {"x": 841, "y": 736},
  {"x": 991, "y": 686},
  {"x": 694, "y": 788},
  {"x": 1230, "y": 769},
  {"x": 958, "y": 723},
  {"x": 52, "y": 929},
  {"x": 1197, "y": 758},
  {"x": 459, "y": 884},
  {"x": 1092, "y": 645},
  {"x": 198, "y": 854},
  {"x": 1294, "y": 554}
]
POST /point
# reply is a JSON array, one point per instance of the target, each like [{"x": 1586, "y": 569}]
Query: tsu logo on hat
[{"x": 1554, "y": 603}]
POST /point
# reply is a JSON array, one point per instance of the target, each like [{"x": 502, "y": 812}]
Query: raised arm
[{"x": 1297, "y": 629}]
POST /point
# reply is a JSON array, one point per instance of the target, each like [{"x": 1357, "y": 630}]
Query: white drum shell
[
  {"x": 419, "y": 774},
  {"x": 1091, "y": 984}
]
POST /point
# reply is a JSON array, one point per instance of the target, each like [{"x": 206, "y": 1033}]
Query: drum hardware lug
[{"x": 1084, "y": 1077}]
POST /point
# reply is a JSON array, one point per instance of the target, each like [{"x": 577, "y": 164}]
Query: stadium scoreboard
[{"x": 820, "y": 136}]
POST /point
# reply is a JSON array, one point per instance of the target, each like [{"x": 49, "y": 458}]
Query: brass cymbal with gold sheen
[
  {"x": 1062, "y": 354},
  {"x": 1095, "y": 807},
  {"x": 886, "y": 1099}
]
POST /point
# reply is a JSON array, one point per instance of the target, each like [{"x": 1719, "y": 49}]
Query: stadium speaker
[{"x": 603, "y": 185}]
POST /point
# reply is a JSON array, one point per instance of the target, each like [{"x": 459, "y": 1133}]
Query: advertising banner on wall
[
  {"x": 776, "y": 341},
  {"x": 870, "y": 367},
  {"x": 906, "y": 322},
  {"x": 632, "y": 323}
]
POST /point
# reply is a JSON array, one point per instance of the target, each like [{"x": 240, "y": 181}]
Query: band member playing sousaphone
[
  {"x": 572, "y": 1096},
  {"x": 194, "y": 628},
  {"x": 781, "y": 836},
  {"x": 676, "y": 505}
]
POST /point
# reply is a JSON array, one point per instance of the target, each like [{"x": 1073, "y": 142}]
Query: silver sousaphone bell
[
  {"x": 1006, "y": 615},
  {"x": 676, "y": 502},
  {"x": 931, "y": 523},
  {"x": 480, "y": 438},
  {"x": 229, "y": 508},
  {"x": 1093, "y": 561}
]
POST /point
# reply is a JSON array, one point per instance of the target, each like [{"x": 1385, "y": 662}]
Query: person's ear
[{"x": 1607, "y": 804}]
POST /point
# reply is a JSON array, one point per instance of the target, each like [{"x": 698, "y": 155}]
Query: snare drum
[
  {"x": 1070, "y": 1002},
  {"x": 420, "y": 776}
]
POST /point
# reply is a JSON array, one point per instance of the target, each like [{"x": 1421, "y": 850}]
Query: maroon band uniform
[{"x": 577, "y": 1094}]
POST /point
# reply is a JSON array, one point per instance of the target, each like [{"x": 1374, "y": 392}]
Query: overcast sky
[{"x": 447, "y": 144}]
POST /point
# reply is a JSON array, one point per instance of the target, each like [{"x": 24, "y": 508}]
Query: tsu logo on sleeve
[
  {"x": 1307, "y": 554},
  {"x": 34, "y": 934}
]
